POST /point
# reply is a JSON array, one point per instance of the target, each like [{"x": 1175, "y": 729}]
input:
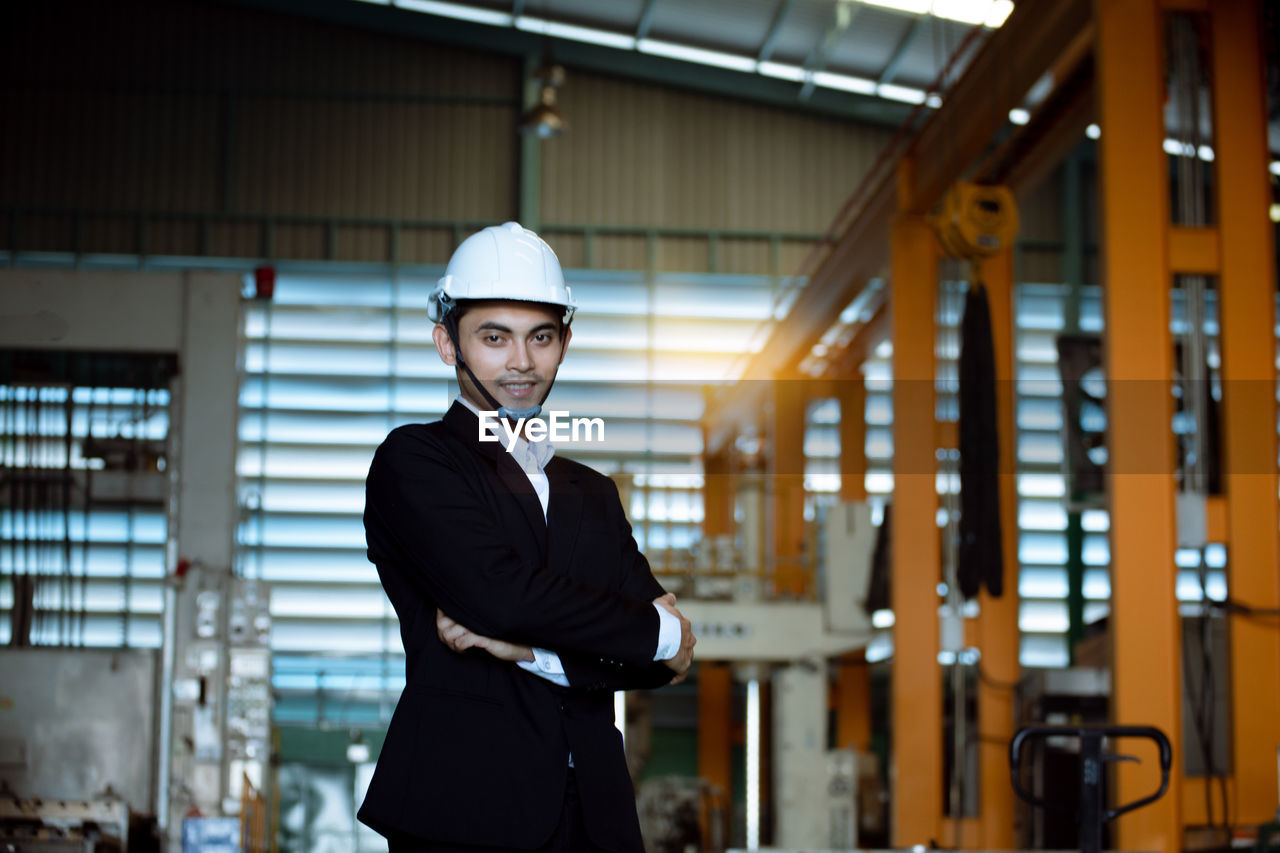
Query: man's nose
[{"x": 521, "y": 358}]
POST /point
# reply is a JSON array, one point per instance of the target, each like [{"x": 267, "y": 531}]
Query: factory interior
[{"x": 921, "y": 331}]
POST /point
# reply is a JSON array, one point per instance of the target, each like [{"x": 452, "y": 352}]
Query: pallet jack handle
[{"x": 1092, "y": 814}]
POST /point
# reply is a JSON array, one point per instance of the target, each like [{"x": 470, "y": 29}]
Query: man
[{"x": 522, "y": 598}]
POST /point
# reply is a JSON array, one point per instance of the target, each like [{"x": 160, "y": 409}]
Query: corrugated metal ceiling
[{"x": 849, "y": 37}]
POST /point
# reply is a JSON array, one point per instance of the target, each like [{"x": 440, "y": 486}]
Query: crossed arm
[{"x": 458, "y": 638}]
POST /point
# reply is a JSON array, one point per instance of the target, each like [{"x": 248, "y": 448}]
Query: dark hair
[{"x": 462, "y": 306}]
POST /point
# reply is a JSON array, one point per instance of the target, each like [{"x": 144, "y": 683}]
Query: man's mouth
[{"x": 517, "y": 389}]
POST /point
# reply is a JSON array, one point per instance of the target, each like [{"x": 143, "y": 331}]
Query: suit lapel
[
  {"x": 513, "y": 481},
  {"x": 564, "y": 511}
]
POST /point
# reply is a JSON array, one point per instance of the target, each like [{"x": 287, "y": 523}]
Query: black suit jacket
[{"x": 477, "y": 749}]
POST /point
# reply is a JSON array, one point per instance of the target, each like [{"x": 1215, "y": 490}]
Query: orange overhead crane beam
[{"x": 1036, "y": 34}]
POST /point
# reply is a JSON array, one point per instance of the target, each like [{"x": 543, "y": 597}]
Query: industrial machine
[{"x": 173, "y": 721}]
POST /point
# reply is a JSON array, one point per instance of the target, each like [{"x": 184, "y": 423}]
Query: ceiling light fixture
[{"x": 544, "y": 119}]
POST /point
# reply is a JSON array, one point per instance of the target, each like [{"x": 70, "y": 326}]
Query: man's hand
[
  {"x": 684, "y": 657},
  {"x": 460, "y": 639}
]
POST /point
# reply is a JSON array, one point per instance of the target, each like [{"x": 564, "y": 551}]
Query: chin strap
[{"x": 505, "y": 412}]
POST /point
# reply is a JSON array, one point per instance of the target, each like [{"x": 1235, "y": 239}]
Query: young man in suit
[{"x": 522, "y": 598}]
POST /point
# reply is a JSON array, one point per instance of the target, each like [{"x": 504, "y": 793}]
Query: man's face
[{"x": 515, "y": 348}]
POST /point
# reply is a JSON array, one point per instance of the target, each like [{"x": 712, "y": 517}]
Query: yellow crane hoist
[{"x": 976, "y": 220}]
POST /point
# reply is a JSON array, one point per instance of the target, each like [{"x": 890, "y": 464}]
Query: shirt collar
[{"x": 530, "y": 456}]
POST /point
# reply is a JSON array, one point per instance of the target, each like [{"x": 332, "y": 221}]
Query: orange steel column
[
  {"x": 853, "y": 676},
  {"x": 852, "y": 394},
  {"x": 786, "y": 482},
  {"x": 917, "y": 686},
  {"x": 853, "y": 703},
  {"x": 1247, "y": 340},
  {"x": 998, "y": 621},
  {"x": 717, "y": 496},
  {"x": 715, "y": 724},
  {"x": 1134, "y": 204}
]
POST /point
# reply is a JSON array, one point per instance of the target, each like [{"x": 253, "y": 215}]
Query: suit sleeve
[
  {"x": 428, "y": 514},
  {"x": 636, "y": 581}
]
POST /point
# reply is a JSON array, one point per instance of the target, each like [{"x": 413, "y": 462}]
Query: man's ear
[
  {"x": 564, "y": 347},
  {"x": 444, "y": 345}
]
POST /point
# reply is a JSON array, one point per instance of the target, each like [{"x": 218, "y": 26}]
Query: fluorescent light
[
  {"x": 999, "y": 13},
  {"x": 1205, "y": 153},
  {"x": 1019, "y": 116},
  {"x": 696, "y": 54},
  {"x": 377, "y": 2},
  {"x": 1093, "y": 131},
  {"x": 575, "y": 33},
  {"x": 990, "y": 13},
  {"x": 882, "y": 619},
  {"x": 1275, "y": 167},
  {"x": 753, "y": 764},
  {"x": 781, "y": 71},
  {"x": 964, "y": 11},
  {"x": 453, "y": 10},
  {"x": 826, "y": 79},
  {"x": 934, "y": 100},
  {"x": 844, "y": 82},
  {"x": 915, "y": 7},
  {"x": 358, "y": 752},
  {"x": 1275, "y": 213},
  {"x": 906, "y": 94}
]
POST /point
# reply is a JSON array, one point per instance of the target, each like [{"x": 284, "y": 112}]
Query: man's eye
[{"x": 493, "y": 339}]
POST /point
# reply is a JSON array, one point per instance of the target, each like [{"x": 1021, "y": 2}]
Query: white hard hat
[{"x": 505, "y": 261}]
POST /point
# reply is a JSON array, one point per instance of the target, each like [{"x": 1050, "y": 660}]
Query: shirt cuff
[
  {"x": 546, "y": 664},
  {"x": 668, "y": 634}
]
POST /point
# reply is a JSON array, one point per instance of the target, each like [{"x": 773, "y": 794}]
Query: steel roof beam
[
  {"x": 646, "y": 19},
  {"x": 775, "y": 29},
  {"x": 900, "y": 50},
  {"x": 842, "y": 17}
]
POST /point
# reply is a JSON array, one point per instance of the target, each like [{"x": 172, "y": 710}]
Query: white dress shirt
[{"x": 532, "y": 458}]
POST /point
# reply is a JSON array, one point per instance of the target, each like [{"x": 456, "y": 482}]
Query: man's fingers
[
  {"x": 453, "y": 635},
  {"x": 443, "y": 625},
  {"x": 667, "y": 602},
  {"x": 466, "y": 641}
]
